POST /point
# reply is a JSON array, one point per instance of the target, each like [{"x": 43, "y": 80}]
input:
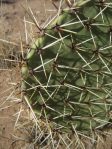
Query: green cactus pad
[{"x": 68, "y": 72}]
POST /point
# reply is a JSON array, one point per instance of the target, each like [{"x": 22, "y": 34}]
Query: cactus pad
[{"x": 67, "y": 74}]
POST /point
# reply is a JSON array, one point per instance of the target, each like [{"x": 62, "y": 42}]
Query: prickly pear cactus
[{"x": 67, "y": 74}]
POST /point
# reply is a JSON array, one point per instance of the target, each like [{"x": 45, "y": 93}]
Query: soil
[{"x": 16, "y": 27}]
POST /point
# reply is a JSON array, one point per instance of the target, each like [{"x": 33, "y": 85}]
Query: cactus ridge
[{"x": 67, "y": 74}]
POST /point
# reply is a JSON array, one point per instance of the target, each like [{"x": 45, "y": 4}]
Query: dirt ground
[
  {"x": 16, "y": 26},
  {"x": 13, "y": 16}
]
